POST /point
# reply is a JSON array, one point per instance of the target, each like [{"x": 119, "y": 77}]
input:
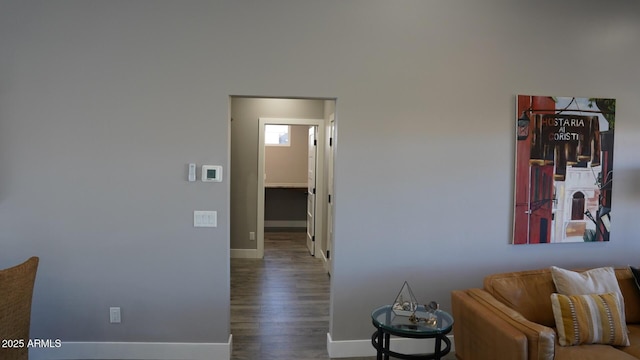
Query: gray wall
[
  {"x": 245, "y": 115},
  {"x": 103, "y": 103},
  {"x": 102, "y": 106}
]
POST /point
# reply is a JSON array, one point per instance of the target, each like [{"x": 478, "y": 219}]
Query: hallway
[{"x": 280, "y": 305}]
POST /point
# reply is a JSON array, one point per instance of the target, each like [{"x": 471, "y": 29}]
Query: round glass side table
[{"x": 426, "y": 325}]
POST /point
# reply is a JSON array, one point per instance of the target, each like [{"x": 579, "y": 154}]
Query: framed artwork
[{"x": 563, "y": 169}]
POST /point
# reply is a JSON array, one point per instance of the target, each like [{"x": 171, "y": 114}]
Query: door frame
[
  {"x": 312, "y": 185},
  {"x": 328, "y": 256},
  {"x": 320, "y": 190}
]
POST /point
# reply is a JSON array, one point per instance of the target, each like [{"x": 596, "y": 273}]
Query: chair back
[{"x": 16, "y": 291}]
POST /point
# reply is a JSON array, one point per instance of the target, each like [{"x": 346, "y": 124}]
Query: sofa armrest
[
  {"x": 481, "y": 335},
  {"x": 540, "y": 339}
]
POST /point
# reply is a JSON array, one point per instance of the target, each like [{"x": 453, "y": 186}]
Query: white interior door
[{"x": 311, "y": 192}]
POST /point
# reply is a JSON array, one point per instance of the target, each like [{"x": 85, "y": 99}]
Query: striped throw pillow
[{"x": 589, "y": 319}]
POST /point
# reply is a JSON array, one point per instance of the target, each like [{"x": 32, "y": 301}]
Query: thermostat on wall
[{"x": 211, "y": 173}]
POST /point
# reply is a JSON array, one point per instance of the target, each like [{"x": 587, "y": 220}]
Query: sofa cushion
[
  {"x": 636, "y": 275},
  {"x": 594, "y": 281},
  {"x": 599, "y": 351},
  {"x": 527, "y": 292},
  {"x": 592, "y": 352},
  {"x": 589, "y": 319},
  {"x": 631, "y": 294},
  {"x": 634, "y": 341}
]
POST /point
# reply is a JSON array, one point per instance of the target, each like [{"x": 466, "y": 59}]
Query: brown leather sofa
[{"x": 512, "y": 318}]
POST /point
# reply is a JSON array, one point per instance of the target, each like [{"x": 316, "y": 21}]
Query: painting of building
[{"x": 563, "y": 170}]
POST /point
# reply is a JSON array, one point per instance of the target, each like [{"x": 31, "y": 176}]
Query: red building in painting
[{"x": 534, "y": 180}]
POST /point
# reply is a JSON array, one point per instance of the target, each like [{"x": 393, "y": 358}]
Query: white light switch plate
[
  {"x": 192, "y": 172},
  {"x": 205, "y": 218}
]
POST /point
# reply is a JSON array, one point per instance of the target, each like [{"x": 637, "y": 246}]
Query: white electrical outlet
[
  {"x": 252, "y": 236},
  {"x": 114, "y": 315}
]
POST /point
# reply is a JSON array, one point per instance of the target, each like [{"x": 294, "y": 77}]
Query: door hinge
[
  {"x": 313, "y": 238},
  {"x": 329, "y": 198},
  {"x": 314, "y": 191},
  {"x": 330, "y": 141},
  {"x": 315, "y": 142},
  {"x": 328, "y": 254}
]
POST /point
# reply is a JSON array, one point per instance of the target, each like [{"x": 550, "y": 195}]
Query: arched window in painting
[{"x": 577, "y": 206}]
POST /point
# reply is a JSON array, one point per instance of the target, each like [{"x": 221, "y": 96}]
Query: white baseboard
[
  {"x": 363, "y": 348},
  {"x": 285, "y": 224},
  {"x": 134, "y": 351},
  {"x": 244, "y": 253}
]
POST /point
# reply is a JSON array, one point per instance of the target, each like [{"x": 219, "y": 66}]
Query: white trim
[
  {"x": 134, "y": 351},
  {"x": 325, "y": 262},
  {"x": 331, "y": 155},
  {"x": 285, "y": 223},
  {"x": 363, "y": 348},
  {"x": 244, "y": 253}
]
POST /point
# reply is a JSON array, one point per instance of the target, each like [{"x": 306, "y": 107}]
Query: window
[{"x": 276, "y": 135}]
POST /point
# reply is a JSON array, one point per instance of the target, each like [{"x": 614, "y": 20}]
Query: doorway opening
[
  {"x": 286, "y": 275},
  {"x": 312, "y": 150},
  {"x": 250, "y": 184}
]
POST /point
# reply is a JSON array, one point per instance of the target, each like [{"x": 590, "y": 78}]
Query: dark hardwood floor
[{"x": 280, "y": 305}]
